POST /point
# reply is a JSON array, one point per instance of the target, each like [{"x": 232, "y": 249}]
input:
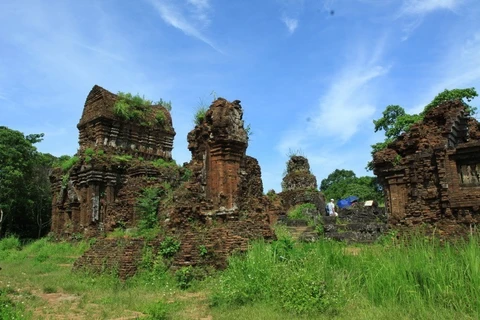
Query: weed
[
  {"x": 203, "y": 251},
  {"x": 89, "y": 152},
  {"x": 302, "y": 212},
  {"x": 169, "y": 247},
  {"x": 146, "y": 207},
  {"x": 184, "y": 277},
  {"x": 199, "y": 115},
  {"x": 122, "y": 158},
  {"x": 68, "y": 163}
]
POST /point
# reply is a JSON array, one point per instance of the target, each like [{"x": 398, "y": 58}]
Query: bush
[
  {"x": 199, "y": 116},
  {"x": 10, "y": 243},
  {"x": 135, "y": 107},
  {"x": 302, "y": 212},
  {"x": 158, "y": 311},
  {"x": 68, "y": 163},
  {"x": 184, "y": 277},
  {"x": 147, "y": 206},
  {"x": 169, "y": 247}
]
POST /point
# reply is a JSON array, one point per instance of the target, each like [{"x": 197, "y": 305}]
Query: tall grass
[
  {"x": 410, "y": 279},
  {"x": 418, "y": 278}
]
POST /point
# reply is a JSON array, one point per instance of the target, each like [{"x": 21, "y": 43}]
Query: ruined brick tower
[
  {"x": 299, "y": 185},
  {"x": 218, "y": 145},
  {"x": 97, "y": 193},
  {"x": 431, "y": 174}
]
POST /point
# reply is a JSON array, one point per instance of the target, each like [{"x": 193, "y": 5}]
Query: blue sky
[{"x": 311, "y": 75}]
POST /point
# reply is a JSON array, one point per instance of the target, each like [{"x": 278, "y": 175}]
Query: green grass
[{"x": 418, "y": 278}]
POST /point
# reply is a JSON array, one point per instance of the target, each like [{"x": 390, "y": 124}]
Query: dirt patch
[{"x": 197, "y": 306}]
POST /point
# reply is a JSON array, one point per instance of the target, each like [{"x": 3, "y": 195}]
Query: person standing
[{"x": 331, "y": 208}]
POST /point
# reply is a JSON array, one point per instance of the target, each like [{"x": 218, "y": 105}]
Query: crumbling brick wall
[
  {"x": 430, "y": 174},
  {"x": 217, "y": 211},
  {"x": 299, "y": 186},
  {"x": 98, "y": 193}
]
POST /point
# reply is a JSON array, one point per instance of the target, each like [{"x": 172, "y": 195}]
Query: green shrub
[
  {"x": 10, "y": 243},
  {"x": 160, "y": 117},
  {"x": 122, "y": 158},
  {"x": 135, "y": 107},
  {"x": 166, "y": 104},
  {"x": 184, "y": 277},
  {"x": 203, "y": 251},
  {"x": 89, "y": 152},
  {"x": 157, "y": 311},
  {"x": 68, "y": 163},
  {"x": 146, "y": 207},
  {"x": 301, "y": 211},
  {"x": 159, "y": 163},
  {"x": 199, "y": 116},
  {"x": 169, "y": 247},
  {"x": 187, "y": 174}
]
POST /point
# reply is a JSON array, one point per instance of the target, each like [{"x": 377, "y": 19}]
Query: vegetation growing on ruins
[
  {"x": 135, "y": 107},
  {"x": 417, "y": 278},
  {"x": 199, "y": 115},
  {"x": 395, "y": 120},
  {"x": 302, "y": 211},
  {"x": 67, "y": 162},
  {"x": 147, "y": 208}
]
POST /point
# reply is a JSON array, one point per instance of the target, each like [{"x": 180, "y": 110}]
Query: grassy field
[{"x": 416, "y": 279}]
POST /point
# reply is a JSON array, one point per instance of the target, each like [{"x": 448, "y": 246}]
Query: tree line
[{"x": 25, "y": 197}]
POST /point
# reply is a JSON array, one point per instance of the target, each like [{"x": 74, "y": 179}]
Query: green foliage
[
  {"x": 125, "y": 158},
  {"x": 68, "y": 163},
  {"x": 184, "y": 277},
  {"x": 272, "y": 195},
  {"x": 169, "y": 247},
  {"x": 159, "y": 163},
  {"x": 187, "y": 174},
  {"x": 302, "y": 211},
  {"x": 8, "y": 308},
  {"x": 10, "y": 243},
  {"x": 447, "y": 95},
  {"x": 336, "y": 177},
  {"x": 309, "y": 282},
  {"x": 157, "y": 311},
  {"x": 343, "y": 183},
  {"x": 137, "y": 108},
  {"x": 160, "y": 117},
  {"x": 25, "y": 197},
  {"x": 395, "y": 120},
  {"x": 203, "y": 251},
  {"x": 166, "y": 104},
  {"x": 89, "y": 152},
  {"x": 65, "y": 178},
  {"x": 199, "y": 115},
  {"x": 146, "y": 207}
]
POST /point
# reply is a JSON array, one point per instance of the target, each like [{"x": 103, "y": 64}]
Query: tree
[
  {"x": 343, "y": 183},
  {"x": 335, "y": 178},
  {"x": 24, "y": 187},
  {"x": 395, "y": 120}
]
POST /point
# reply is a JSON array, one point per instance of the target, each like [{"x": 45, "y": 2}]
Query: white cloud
[
  {"x": 291, "y": 24},
  {"x": 421, "y": 7},
  {"x": 173, "y": 14},
  {"x": 290, "y": 13},
  {"x": 347, "y": 103},
  {"x": 413, "y": 12}
]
